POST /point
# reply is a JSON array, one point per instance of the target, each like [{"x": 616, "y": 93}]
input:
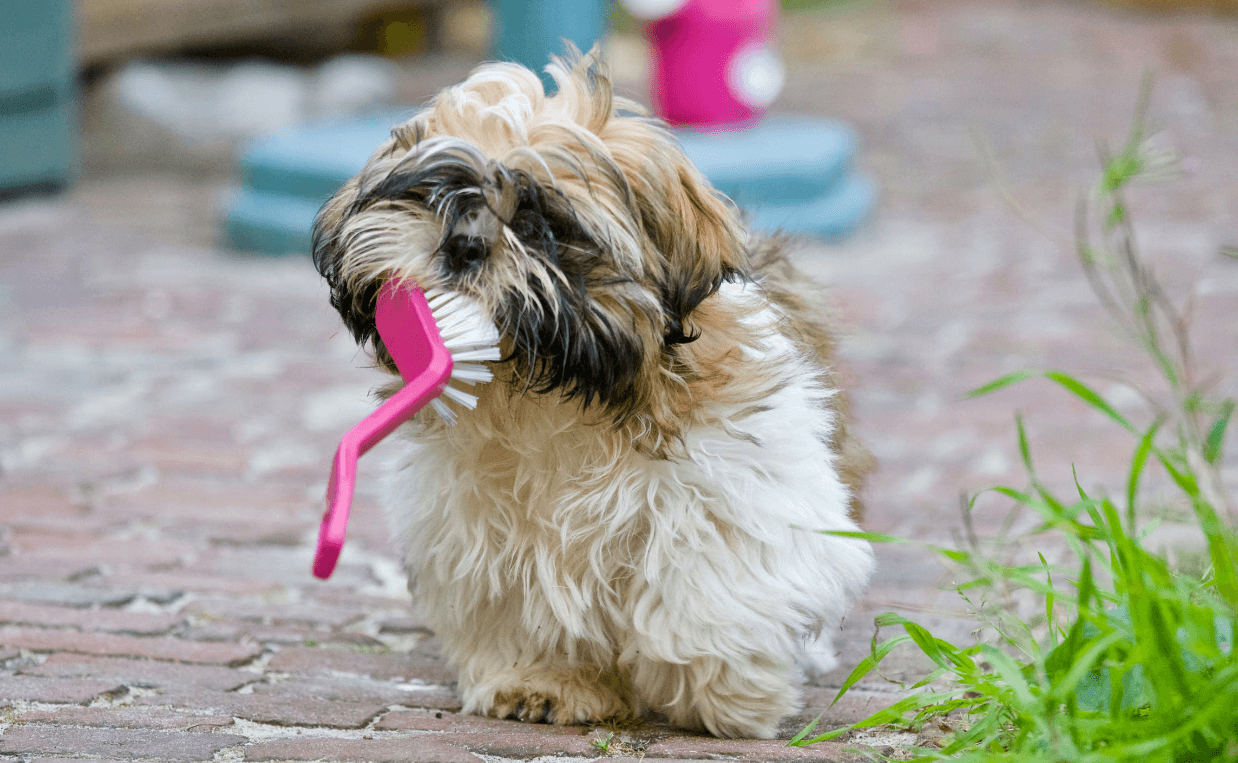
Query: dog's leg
[
  {"x": 727, "y": 698},
  {"x": 504, "y": 673},
  {"x": 713, "y": 650}
]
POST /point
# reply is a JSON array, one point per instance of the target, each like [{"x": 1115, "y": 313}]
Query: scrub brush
[{"x": 436, "y": 338}]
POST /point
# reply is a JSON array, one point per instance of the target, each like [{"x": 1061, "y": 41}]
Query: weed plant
[{"x": 1132, "y": 657}]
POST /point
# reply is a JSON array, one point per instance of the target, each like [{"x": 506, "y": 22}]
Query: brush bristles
[{"x": 471, "y": 338}]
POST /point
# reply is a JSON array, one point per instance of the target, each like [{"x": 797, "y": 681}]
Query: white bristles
[
  {"x": 472, "y": 340},
  {"x": 444, "y": 411},
  {"x": 461, "y": 397},
  {"x": 471, "y": 373}
]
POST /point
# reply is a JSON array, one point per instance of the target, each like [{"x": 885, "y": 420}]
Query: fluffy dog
[{"x": 628, "y": 520}]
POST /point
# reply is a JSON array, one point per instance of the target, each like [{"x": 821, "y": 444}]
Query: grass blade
[
  {"x": 1089, "y": 396},
  {"x": 1216, "y": 434},
  {"x": 1137, "y": 464},
  {"x": 870, "y": 662},
  {"x": 997, "y": 384}
]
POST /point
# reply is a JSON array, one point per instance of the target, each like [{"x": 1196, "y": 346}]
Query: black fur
[
  {"x": 569, "y": 344},
  {"x": 355, "y": 306},
  {"x": 681, "y": 296}
]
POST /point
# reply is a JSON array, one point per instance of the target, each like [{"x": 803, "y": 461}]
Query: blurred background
[
  {"x": 160, "y": 380},
  {"x": 175, "y": 92}
]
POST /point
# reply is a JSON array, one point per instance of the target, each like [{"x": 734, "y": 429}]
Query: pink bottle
[{"x": 714, "y": 63}]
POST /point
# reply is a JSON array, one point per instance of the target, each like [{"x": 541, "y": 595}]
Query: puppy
[{"x": 629, "y": 520}]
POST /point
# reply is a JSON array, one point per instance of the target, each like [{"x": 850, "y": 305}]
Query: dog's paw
[
  {"x": 530, "y": 707},
  {"x": 557, "y": 699}
]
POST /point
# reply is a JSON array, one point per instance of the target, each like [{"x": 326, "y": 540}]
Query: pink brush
[{"x": 434, "y": 337}]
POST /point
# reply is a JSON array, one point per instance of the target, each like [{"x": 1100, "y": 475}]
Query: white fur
[{"x": 559, "y": 564}]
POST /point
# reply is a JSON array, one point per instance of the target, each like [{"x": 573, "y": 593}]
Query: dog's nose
[{"x": 464, "y": 253}]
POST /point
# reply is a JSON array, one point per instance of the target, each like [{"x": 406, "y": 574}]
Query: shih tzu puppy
[{"x": 630, "y": 520}]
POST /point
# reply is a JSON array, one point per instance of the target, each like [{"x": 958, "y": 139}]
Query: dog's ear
[
  {"x": 352, "y": 295},
  {"x": 695, "y": 233},
  {"x": 328, "y": 256},
  {"x": 698, "y": 234}
]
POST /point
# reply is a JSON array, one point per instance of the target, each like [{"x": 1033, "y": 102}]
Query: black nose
[{"x": 464, "y": 253}]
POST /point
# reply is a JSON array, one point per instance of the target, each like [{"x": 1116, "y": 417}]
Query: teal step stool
[
  {"x": 792, "y": 174},
  {"x": 38, "y": 95}
]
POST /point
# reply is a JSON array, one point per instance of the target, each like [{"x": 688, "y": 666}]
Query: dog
[{"x": 631, "y": 519}]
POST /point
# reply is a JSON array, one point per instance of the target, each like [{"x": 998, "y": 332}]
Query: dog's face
[{"x": 574, "y": 220}]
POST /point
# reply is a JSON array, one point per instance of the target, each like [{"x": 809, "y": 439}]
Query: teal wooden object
[
  {"x": 287, "y": 176},
  {"x": 528, "y": 31},
  {"x": 38, "y": 95},
  {"x": 791, "y": 174}
]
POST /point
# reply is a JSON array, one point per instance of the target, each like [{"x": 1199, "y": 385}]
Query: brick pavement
[{"x": 167, "y": 409}]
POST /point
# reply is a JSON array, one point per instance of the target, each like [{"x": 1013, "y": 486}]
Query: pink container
[{"x": 713, "y": 61}]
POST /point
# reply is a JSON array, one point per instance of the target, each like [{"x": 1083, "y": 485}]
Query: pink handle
[{"x": 410, "y": 334}]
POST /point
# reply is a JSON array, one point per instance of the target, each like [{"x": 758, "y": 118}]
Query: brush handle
[{"x": 410, "y": 334}]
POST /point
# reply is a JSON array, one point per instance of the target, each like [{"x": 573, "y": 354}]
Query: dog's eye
[
  {"x": 561, "y": 230},
  {"x": 463, "y": 253},
  {"x": 529, "y": 227}
]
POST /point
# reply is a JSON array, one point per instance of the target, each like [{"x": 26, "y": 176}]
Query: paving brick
[
  {"x": 67, "y": 594},
  {"x": 422, "y": 664},
  {"x": 29, "y": 538},
  {"x": 233, "y": 608},
  {"x": 516, "y": 743},
  {"x": 129, "y": 717},
  {"x": 180, "y": 455},
  {"x": 266, "y": 708},
  {"x": 411, "y": 749},
  {"x": 16, "y": 570},
  {"x": 382, "y": 608},
  {"x": 176, "y": 580},
  {"x": 37, "y": 689},
  {"x": 110, "y": 620},
  {"x": 316, "y": 638},
  {"x": 20, "y": 501},
  {"x": 180, "y": 650},
  {"x": 72, "y": 760},
  {"x": 345, "y": 688},
  {"x": 282, "y": 636},
  {"x": 186, "y": 499},
  {"x": 119, "y": 744},
  {"x": 140, "y": 554},
  {"x": 708, "y": 748},
  {"x": 403, "y": 624},
  {"x": 147, "y": 673},
  {"x": 252, "y": 532}
]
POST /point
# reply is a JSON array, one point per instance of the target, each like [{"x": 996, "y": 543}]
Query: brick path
[{"x": 167, "y": 409}]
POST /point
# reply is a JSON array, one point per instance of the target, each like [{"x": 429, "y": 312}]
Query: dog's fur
[{"x": 627, "y": 520}]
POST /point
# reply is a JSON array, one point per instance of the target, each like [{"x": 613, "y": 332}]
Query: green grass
[
  {"x": 1131, "y": 657},
  {"x": 602, "y": 744}
]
